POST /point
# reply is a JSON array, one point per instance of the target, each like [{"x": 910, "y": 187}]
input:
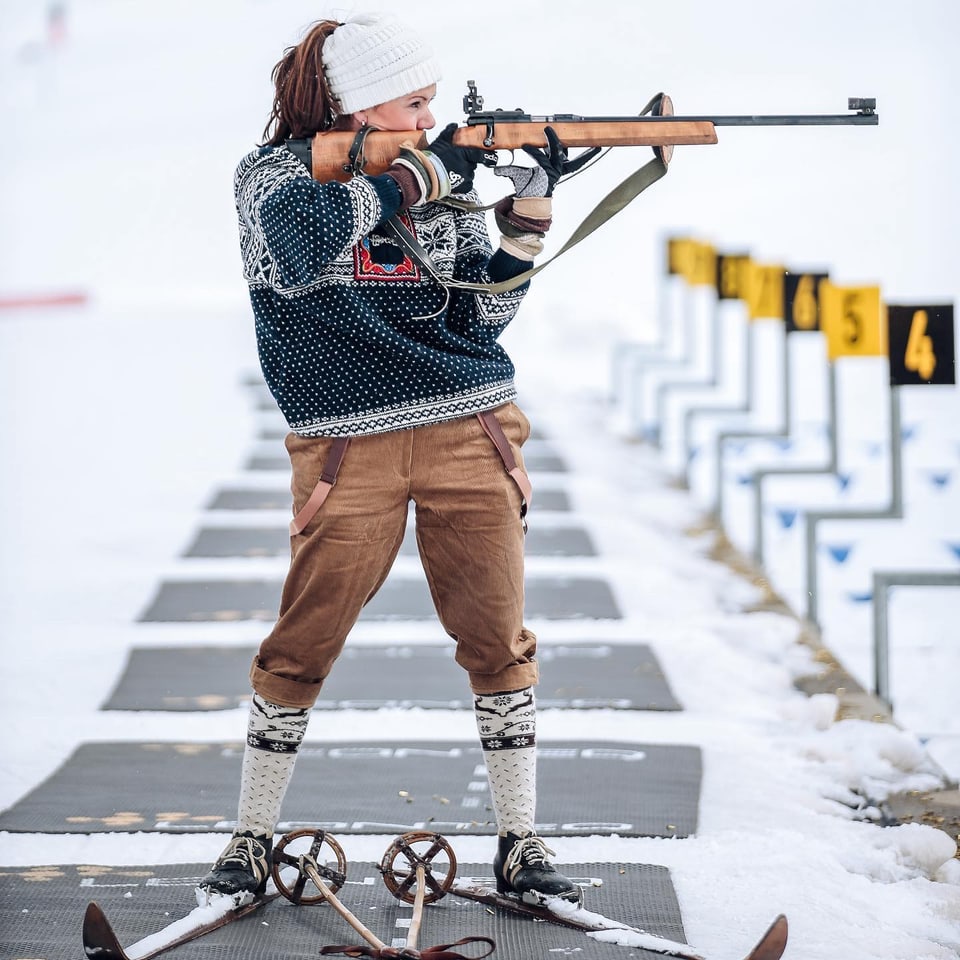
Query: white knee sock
[
  {"x": 274, "y": 735},
  {"x": 507, "y": 723}
]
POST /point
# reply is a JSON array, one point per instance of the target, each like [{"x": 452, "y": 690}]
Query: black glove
[
  {"x": 459, "y": 162},
  {"x": 554, "y": 161}
]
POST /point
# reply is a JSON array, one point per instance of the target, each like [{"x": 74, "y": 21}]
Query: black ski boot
[
  {"x": 521, "y": 867},
  {"x": 242, "y": 869}
]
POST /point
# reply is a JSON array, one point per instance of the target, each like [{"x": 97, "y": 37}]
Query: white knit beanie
[{"x": 373, "y": 58}]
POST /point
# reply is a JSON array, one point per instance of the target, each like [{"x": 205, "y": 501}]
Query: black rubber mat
[
  {"x": 275, "y": 542},
  {"x": 534, "y": 460},
  {"x": 256, "y": 499},
  {"x": 558, "y": 598},
  {"x": 41, "y": 911},
  {"x": 424, "y": 676},
  {"x": 368, "y": 788}
]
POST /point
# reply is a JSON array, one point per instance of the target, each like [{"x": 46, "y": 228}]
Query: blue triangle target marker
[
  {"x": 840, "y": 552},
  {"x": 954, "y": 548},
  {"x": 843, "y": 480},
  {"x": 787, "y": 518}
]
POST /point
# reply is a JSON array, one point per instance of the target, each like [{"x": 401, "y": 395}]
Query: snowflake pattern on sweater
[{"x": 353, "y": 336}]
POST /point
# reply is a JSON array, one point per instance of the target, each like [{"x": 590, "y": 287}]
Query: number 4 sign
[{"x": 921, "y": 345}]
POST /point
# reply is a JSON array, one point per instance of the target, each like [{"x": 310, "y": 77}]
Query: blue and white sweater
[{"x": 353, "y": 338}]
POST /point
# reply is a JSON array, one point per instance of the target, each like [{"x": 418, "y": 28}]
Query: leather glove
[{"x": 460, "y": 162}]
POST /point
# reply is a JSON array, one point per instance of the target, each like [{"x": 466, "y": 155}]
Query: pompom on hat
[{"x": 372, "y": 58}]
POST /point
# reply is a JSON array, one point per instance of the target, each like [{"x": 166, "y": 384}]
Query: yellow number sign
[
  {"x": 696, "y": 262},
  {"x": 763, "y": 290},
  {"x": 852, "y": 318}
]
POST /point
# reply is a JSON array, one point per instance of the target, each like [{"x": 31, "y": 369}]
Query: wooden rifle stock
[
  {"x": 330, "y": 150},
  {"x": 650, "y": 132},
  {"x": 337, "y": 155}
]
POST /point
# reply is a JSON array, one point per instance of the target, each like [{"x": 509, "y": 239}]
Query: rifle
[{"x": 339, "y": 155}]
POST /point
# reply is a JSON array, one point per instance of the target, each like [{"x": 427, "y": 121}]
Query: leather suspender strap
[
  {"x": 494, "y": 431},
  {"x": 328, "y": 477}
]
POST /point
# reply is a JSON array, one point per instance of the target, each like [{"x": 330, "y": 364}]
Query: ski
[
  {"x": 556, "y": 910},
  {"x": 101, "y": 943}
]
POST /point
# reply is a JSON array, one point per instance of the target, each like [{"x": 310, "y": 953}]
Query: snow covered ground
[{"x": 122, "y": 417}]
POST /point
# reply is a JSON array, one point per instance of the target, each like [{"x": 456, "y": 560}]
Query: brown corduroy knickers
[{"x": 470, "y": 538}]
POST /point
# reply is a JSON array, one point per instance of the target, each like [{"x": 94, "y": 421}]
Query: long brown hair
[{"x": 302, "y": 103}]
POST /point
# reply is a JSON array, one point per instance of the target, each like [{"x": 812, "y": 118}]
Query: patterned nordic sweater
[{"x": 353, "y": 338}]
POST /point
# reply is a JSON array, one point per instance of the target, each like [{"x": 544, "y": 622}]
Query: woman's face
[{"x": 410, "y": 112}]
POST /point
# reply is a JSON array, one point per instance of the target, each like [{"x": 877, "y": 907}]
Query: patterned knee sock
[
  {"x": 507, "y": 723},
  {"x": 274, "y": 735}
]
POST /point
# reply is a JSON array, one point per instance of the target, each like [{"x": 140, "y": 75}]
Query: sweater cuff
[
  {"x": 388, "y": 192},
  {"x": 505, "y": 266}
]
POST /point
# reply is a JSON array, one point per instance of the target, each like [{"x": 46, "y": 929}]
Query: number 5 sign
[
  {"x": 921, "y": 345},
  {"x": 851, "y": 319}
]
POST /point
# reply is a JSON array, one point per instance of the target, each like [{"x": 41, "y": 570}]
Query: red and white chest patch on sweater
[{"x": 380, "y": 258}]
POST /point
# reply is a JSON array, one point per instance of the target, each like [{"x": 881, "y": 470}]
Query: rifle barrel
[
  {"x": 793, "y": 120},
  {"x": 747, "y": 120}
]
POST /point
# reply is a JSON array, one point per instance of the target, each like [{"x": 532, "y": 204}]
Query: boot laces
[
  {"x": 247, "y": 853},
  {"x": 528, "y": 852}
]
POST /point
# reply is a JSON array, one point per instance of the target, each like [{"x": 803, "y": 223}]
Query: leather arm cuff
[
  {"x": 513, "y": 221},
  {"x": 411, "y": 189}
]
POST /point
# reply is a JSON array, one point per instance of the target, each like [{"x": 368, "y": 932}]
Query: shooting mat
[
  {"x": 41, "y": 910},
  {"x": 275, "y": 542},
  {"x": 425, "y": 676},
  {"x": 555, "y": 598},
  {"x": 367, "y": 788}
]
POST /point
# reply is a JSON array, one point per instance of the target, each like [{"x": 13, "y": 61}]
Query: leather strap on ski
[
  {"x": 440, "y": 952},
  {"x": 492, "y": 428},
  {"x": 328, "y": 477}
]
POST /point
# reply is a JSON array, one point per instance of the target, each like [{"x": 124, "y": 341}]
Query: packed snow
[{"x": 123, "y": 416}]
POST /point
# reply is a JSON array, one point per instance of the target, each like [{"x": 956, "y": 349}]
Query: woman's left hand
[{"x": 552, "y": 164}]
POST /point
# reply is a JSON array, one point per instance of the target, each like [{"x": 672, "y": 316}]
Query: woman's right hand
[{"x": 459, "y": 162}]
